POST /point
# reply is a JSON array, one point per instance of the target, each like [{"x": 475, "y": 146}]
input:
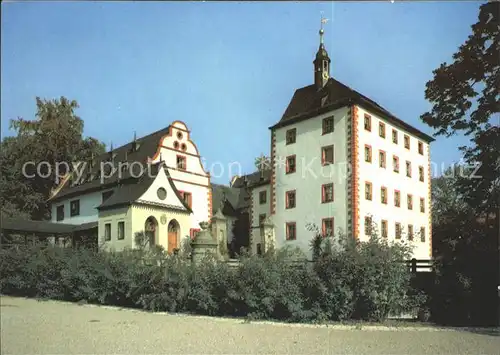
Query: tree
[
  {"x": 55, "y": 135},
  {"x": 262, "y": 163},
  {"x": 465, "y": 98}
]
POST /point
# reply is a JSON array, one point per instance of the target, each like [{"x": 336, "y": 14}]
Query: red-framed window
[
  {"x": 410, "y": 231},
  {"x": 384, "y": 228},
  {"x": 420, "y": 148},
  {"x": 291, "y": 231},
  {"x": 327, "y": 155},
  {"x": 290, "y": 199},
  {"x": 397, "y": 198},
  {"x": 398, "y": 230},
  {"x": 291, "y": 164},
  {"x": 407, "y": 141},
  {"x": 381, "y": 159},
  {"x": 327, "y": 194},
  {"x": 381, "y": 129},
  {"x": 394, "y": 136},
  {"x": 291, "y": 136},
  {"x": 383, "y": 195},
  {"x": 368, "y": 225},
  {"x": 368, "y": 191},
  {"x": 368, "y": 122},
  {"x": 181, "y": 162},
  {"x": 187, "y": 197},
  {"x": 421, "y": 173},
  {"x": 327, "y": 226},
  {"x": 327, "y": 125},
  {"x": 395, "y": 164},
  {"x": 368, "y": 153},
  {"x": 408, "y": 169}
]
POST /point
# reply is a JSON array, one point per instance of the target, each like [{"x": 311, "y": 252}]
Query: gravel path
[{"x": 49, "y": 327}]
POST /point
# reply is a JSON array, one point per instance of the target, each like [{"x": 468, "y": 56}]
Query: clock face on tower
[{"x": 325, "y": 75}]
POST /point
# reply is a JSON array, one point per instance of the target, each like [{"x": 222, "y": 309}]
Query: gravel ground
[{"x": 49, "y": 327}]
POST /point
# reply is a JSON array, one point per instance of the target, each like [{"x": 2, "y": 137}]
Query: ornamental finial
[{"x": 321, "y": 31}]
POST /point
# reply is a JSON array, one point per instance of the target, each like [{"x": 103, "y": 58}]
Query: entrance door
[{"x": 173, "y": 233}]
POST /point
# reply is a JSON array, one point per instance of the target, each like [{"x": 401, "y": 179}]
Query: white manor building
[{"x": 338, "y": 160}]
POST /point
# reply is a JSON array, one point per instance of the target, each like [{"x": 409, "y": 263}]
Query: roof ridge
[{"x": 138, "y": 139}]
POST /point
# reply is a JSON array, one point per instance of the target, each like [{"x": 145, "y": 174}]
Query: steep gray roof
[
  {"x": 308, "y": 102},
  {"x": 148, "y": 146},
  {"x": 126, "y": 194}
]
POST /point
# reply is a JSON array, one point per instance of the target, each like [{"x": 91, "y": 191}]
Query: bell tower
[{"x": 322, "y": 61}]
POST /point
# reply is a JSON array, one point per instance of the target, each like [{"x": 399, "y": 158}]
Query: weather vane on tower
[{"x": 321, "y": 31}]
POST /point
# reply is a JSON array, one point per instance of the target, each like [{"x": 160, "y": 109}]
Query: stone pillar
[
  {"x": 219, "y": 232},
  {"x": 219, "y": 227},
  {"x": 203, "y": 244},
  {"x": 268, "y": 240}
]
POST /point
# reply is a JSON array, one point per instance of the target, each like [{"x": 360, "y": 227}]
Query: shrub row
[{"x": 365, "y": 281}]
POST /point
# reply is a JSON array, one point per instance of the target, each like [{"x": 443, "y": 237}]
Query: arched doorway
[
  {"x": 173, "y": 235},
  {"x": 151, "y": 230}
]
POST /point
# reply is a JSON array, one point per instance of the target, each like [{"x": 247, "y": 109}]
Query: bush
[{"x": 347, "y": 280}]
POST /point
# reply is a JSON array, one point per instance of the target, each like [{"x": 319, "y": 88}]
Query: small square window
[
  {"x": 410, "y": 201},
  {"x": 291, "y": 136},
  {"x": 407, "y": 141},
  {"x": 381, "y": 129},
  {"x": 181, "y": 162},
  {"x": 75, "y": 208},
  {"x": 262, "y": 197},
  {"x": 397, "y": 198},
  {"x": 290, "y": 164},
  {"x": 368, "y": 154},
  {"x": 60, "y": 213},
  {"x": 368, "y": 191},
  {"x": 327, "y": 193},
  {"x": 327, "y": 155},
  {"x": 383, "y": 195},
  {"x": 290, "y": 199},
  {"x": 327, "y": 226},
  {"x": 395, "y": 164},
  {"x": 420, "y": 148},
  {"x": 107, "y": 232},
  {"x": 368, "y": 123},
  {"x": 291, "y": 231},
  {"x": 121, "y": 230},
  {"x": 394, "y": 136},
  {"x": 381, "y": 158},
  {"x": 328, "y": 125}
]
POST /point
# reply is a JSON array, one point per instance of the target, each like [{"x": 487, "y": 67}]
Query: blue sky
[{"x": 228, "y": 70}]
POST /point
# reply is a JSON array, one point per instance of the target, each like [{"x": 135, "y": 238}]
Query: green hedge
[{"x": 364, "y": 281}]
